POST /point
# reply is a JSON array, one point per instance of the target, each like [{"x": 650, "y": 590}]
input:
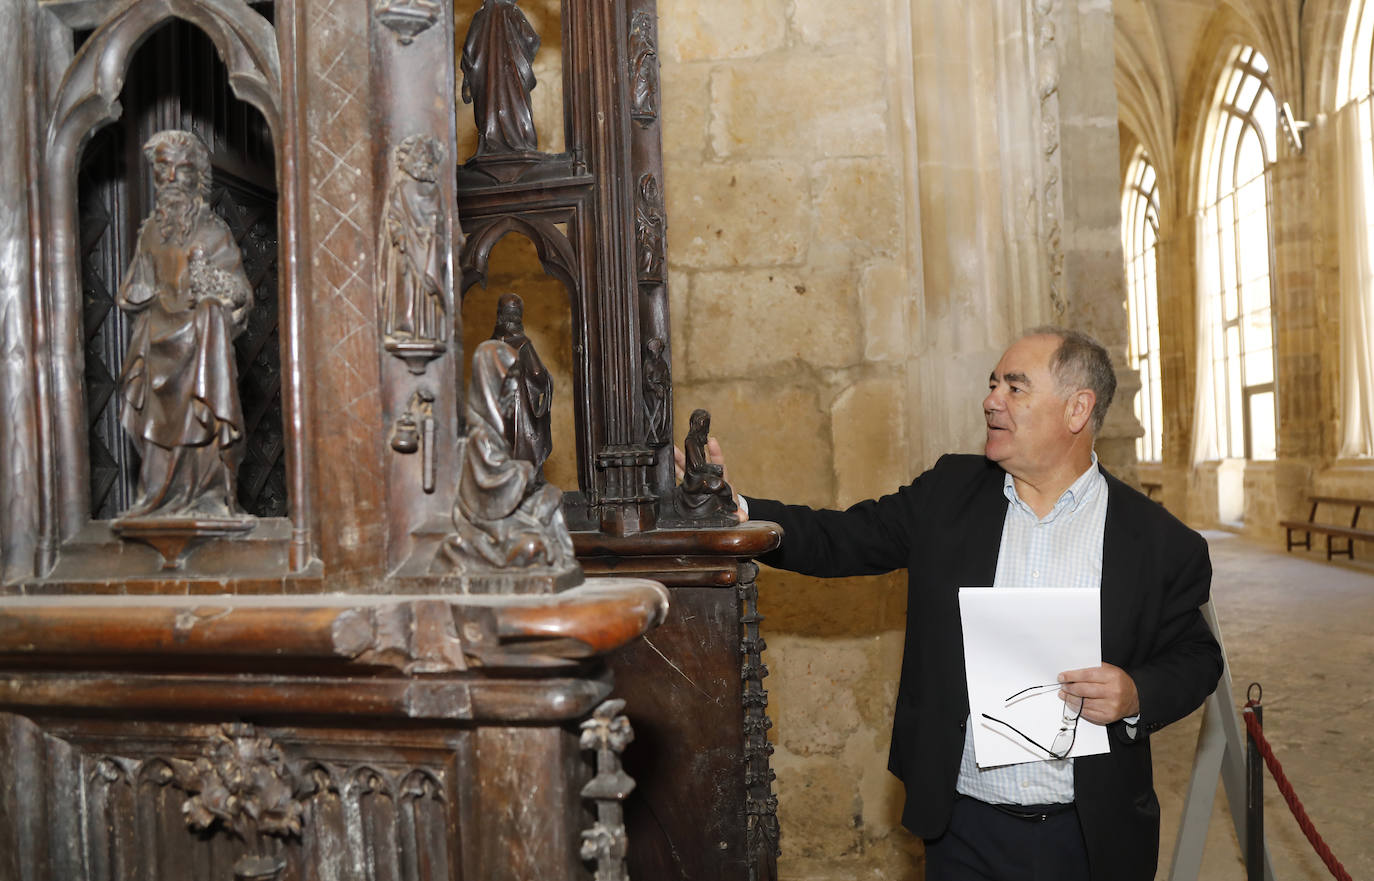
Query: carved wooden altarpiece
[{"x": 307, "y": 686}]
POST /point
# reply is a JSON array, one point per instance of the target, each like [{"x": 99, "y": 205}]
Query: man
[
  {"x": 179, "y": 384},
  {"x": 1036, "y": 509}
]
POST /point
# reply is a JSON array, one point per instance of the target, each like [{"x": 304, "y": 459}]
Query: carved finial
[{"x": 608, "y": 733}]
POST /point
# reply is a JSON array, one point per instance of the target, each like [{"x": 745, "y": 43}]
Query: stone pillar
[
  {"x": 1306, "y": 405},
  {"x": 1178, "y": 363},
  {"x": 1019, "y": 193},
  {"x": 984, "y": 276},
  {"x": 1075, "y": 39}
]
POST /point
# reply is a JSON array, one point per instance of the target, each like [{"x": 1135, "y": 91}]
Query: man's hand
[
  {"x": 1108, "y": 693},
  {"x": 714, "y": 456}
]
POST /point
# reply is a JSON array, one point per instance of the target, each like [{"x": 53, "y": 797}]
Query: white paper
[{"x": 1017, "y": 637}]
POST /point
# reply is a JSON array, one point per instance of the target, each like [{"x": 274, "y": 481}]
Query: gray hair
[{"x": 1081, "y": 362}]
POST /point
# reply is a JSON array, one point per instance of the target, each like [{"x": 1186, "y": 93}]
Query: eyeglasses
[{"x": 1068, "y": 724}]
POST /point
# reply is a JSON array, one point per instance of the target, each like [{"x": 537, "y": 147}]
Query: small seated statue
[
  {"x": 505, "y": 516},
  {"x": 703, "y": 492}
]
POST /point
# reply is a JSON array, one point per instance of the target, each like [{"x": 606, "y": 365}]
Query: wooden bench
[{"x": 1351, "y": 533}]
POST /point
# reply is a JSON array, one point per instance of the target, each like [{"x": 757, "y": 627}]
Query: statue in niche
[
  {"x": 643, "y": 69},
  {"x": 505, "y": 516},
  {"x": 414, "y": 317},
  {"x": 657, "y": 392},
  {"x": 649, "y": 230},
  {"x": 498, "y": 76},
  {"x": 529, "y": 430},
  {"x": 703, "y": 491},
  {"x": 179, "y": 384}
]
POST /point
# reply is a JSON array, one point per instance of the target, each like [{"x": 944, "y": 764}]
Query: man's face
[
  {"x": 1026, "y": 412},
  {"x": 173, "y": 171}
]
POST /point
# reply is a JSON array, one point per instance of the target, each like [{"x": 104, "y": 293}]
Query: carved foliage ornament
[{"x": 243, "y": 784}]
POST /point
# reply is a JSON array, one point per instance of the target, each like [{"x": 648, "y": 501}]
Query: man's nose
[{"x": 992, "y": 402}]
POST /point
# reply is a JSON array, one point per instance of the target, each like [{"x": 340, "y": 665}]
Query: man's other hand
[{"x": 1107, "y": 691}]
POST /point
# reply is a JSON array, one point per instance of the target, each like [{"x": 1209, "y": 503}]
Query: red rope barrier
[{"x": 1333, "y": 865}]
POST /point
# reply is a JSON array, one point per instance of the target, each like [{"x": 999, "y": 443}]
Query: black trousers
[{"x": 985, "y": 843}]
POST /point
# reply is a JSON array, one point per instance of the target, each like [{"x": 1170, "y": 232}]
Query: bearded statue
[{"x": 179, "y": 384}]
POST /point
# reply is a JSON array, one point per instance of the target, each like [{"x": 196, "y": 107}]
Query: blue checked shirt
[{"x": 1062, "y": 550}]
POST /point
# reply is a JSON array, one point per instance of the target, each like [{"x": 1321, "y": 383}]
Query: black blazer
[{"x": 945, "y": 529}]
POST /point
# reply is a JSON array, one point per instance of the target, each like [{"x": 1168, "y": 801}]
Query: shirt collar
[{"x": 1080, "y": 492}]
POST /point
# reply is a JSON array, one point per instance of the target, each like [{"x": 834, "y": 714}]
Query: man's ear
[{"x": 1078, "y": 409}]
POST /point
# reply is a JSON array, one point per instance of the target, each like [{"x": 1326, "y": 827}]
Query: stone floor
[{"x": 1304, "y": 629}]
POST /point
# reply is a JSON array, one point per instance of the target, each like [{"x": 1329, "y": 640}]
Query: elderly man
[{"x": 1036, "y": 509}]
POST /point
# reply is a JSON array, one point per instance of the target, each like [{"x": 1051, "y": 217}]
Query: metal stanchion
[{"x": 1254, "y": 790}]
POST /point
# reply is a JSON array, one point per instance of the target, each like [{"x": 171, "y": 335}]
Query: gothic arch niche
[
  {"x": 513, "y": 266},
  {"x": 228, "y": 91},
  {"x": 176, "y": 80}
]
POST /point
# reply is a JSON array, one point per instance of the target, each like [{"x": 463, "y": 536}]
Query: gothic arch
[
  {"x": 1324, "y": 24},
  {"x": 1276, "y": 29},
  {"x": 86, "y": 100},
  {"x": 1147, "y": 104},
  {"x": 1225, "y": 36},
  {"x": 555, "y": 251}
]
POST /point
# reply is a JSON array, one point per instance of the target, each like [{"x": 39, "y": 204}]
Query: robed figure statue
[
  {"x": 412, "y": 247},
  {"x": 703, "y": 491},
  {"x": 179, "y": 384},
  {"x": 498, "y": 76},
  {"x": 529, "y": 431},
  {"x": 504, "y": 517}
]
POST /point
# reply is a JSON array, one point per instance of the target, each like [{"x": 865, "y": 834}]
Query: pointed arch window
[
  {"x": 1139, "y": 240},
  {"x": 1237, "y": 395},
  {"x": 1355, "y": 198}
]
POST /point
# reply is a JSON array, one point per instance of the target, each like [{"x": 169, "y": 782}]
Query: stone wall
[
  {"x": 792, "y": 302},
  {"x": 867, "y": 200}
]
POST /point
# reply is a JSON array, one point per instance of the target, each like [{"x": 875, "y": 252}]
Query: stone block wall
[{"x": 791, "y": 294}]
